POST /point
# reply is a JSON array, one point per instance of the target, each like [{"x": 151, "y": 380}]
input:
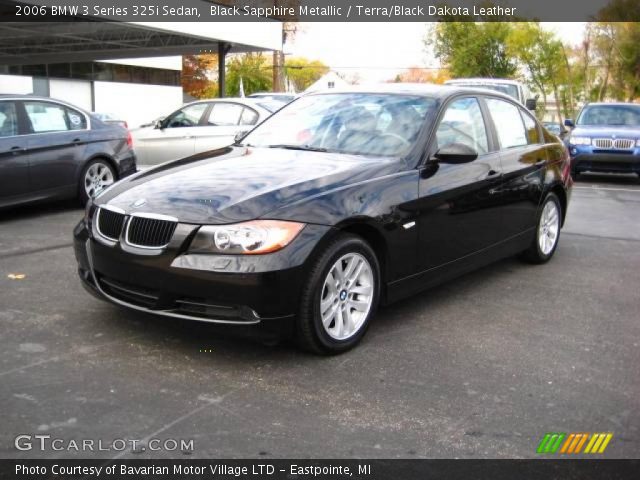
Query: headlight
[
  {"x": 248, "y": 238},
  {"x": 580, "y": 140}
]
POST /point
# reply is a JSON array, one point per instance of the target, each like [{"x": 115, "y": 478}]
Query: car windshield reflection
[{"x": 351, "y": 123}]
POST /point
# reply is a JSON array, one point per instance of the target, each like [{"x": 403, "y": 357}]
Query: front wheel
[
  {"x": 340, "y": 297},
  {"x": 96, "y": 176},
  {"x": 547, "y": 231}
]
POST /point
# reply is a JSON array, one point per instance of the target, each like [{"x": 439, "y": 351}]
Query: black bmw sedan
[
  {"x": 52, "y": 150},
  {"x": 339, "y": 202}
]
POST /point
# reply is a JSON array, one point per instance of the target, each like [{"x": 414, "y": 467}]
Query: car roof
[
  {"x": 498, "y": 81},
  {"x": 250, "y": 102},
  {"x": 421, "y": 89}
]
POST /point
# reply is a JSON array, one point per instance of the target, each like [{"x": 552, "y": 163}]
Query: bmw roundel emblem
[{"x": 138, "y": 203}]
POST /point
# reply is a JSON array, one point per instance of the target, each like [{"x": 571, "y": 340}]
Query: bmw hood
[
  {"x": 606, "y": 131},
  {"x": 240, "y": 183}
]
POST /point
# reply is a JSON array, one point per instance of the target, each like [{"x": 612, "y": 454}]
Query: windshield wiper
[{"x": 307, "y": 148}]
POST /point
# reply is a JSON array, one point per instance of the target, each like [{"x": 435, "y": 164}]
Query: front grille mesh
[
  {"x": 620, "y": 143},
  {"x": 603, "y": 142},
  {"x": 624, "y": 143},
  {"x": 110, "y": 223},
  {"x": 149, "y": 232}
]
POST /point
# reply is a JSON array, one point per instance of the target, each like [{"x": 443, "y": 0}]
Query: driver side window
[
  {"x": 463, "y": 123},
  {"x": 187, "y": 117}
]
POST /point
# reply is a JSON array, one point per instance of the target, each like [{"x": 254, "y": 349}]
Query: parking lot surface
[{"x": 483, "y": 366}]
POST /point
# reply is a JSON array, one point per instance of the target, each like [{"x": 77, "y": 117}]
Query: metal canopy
[{"x": 58, "y": 42}]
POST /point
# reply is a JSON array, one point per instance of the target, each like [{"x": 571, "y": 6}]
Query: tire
[
  {"x": 547, "y": 233},
  {"x": 97, "y": 175},
  {"x": 349, "y": 308}
]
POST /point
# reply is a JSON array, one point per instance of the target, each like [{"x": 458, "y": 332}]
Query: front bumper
[
  {"x": 236, "y": 290},
  {"x": 587, "y": 158}
]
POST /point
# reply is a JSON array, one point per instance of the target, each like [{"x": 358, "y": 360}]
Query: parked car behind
[
  {"x": 110, "y": 119},
  {"x": 339, "y": 201},
  {"x": 274, "y": 96},
  {"x": 196, "y": 127},
  {"x": 605, "y": 138},
  {"x": 555, "y": 128},
  {"x": 513, "y": 88},
  {"x": 52, "y": 150}
]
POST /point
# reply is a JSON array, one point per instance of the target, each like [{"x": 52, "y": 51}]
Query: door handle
[
  {"x": 76, "y": 141},
  {"x": 16, "y": 150},
  {"x": 493, "y": 174},
  {"x": 540, "y": 163}
]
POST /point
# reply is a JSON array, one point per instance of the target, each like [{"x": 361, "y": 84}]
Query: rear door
[
  {"x": 223, "y": 122},
  {"x": 56, "y": 144},
  {"x": 175, "y": 139},
  {"x": 14, "y": 166},
  {"x": 524, "y": 160},
  {"x": 459, "y": 203}
]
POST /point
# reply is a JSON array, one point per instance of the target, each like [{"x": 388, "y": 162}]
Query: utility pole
[{"x": 278, "y": 65}]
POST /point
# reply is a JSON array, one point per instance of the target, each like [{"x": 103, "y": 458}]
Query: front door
[
  {"x": 459, "y": 203},
  {"x": 14, "y": 167},
  {"x": 55, "y": 146},
  {"x": 174, "y": 139}
]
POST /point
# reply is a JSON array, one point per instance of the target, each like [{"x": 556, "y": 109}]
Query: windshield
[
  {"x": 355, "y": 123},
  {"x": 628, "y": 115}
]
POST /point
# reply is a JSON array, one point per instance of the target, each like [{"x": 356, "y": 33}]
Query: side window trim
[
  {"x": 255, "y": 112},
  {"x": 488, "y": 130},
  {"x": 499, "y": 146},
  {"x": 25, "y": 121},
  {"x": 523, "y": 112},
  {"x": 213, "y": 104}
]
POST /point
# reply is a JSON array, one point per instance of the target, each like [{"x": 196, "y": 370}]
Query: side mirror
[
  {"x": 239, "y": 136},
  {"x": 157, "y": 124},
  {"x": 532, "y": 103},
  {"x": 568, "y": 122},
  {"x": 455, "y": 153}
]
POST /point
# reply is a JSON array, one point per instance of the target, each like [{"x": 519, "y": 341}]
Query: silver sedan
[{"x": 196, "y": 127}]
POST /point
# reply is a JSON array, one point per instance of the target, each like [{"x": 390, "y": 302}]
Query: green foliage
[
  {"x": 303, "y": 72},
  {"x": 470, "y": 49},
  {"x": 255, "y": 70}
]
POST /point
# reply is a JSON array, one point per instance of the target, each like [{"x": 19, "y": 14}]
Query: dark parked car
[
  {"x": 605, "y": 138},
  {"x": 52, "y": 150},
  {"x": 338, "y": 202},
  {"x": 555, "y": 128}
]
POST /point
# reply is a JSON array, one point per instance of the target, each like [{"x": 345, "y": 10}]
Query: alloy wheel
[
  {"x": 347, "y": 296},
  {"x": 97, "y": 177},
  {"x": 548, "y": 228}
]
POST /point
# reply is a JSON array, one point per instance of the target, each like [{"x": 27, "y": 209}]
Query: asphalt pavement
[{"x": 483, "y": 366}]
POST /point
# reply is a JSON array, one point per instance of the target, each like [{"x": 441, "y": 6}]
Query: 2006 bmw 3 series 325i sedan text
[{"x": 340, "y": 201}]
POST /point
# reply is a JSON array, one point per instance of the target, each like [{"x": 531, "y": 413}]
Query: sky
[{"x": 379, "y": 51}]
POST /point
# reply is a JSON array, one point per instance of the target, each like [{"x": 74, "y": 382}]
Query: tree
[
  {"x": 470, "y": 49},
  {"x": 542, "y": 56},
  {"x": 197, "y": 74},
  {"x": 303, "y": 72},
  {"x": 255, "y": 71}
]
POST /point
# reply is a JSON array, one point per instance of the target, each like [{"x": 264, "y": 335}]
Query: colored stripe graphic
[
  {"x": 573, "y": 443},
  {"x": 550, "y": 442}
]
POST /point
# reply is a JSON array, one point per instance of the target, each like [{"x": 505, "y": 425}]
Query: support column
[{"x": 223, "y": 49}]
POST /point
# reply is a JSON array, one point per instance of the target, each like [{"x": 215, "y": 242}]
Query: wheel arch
[{"x": 560, "y": 192}]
